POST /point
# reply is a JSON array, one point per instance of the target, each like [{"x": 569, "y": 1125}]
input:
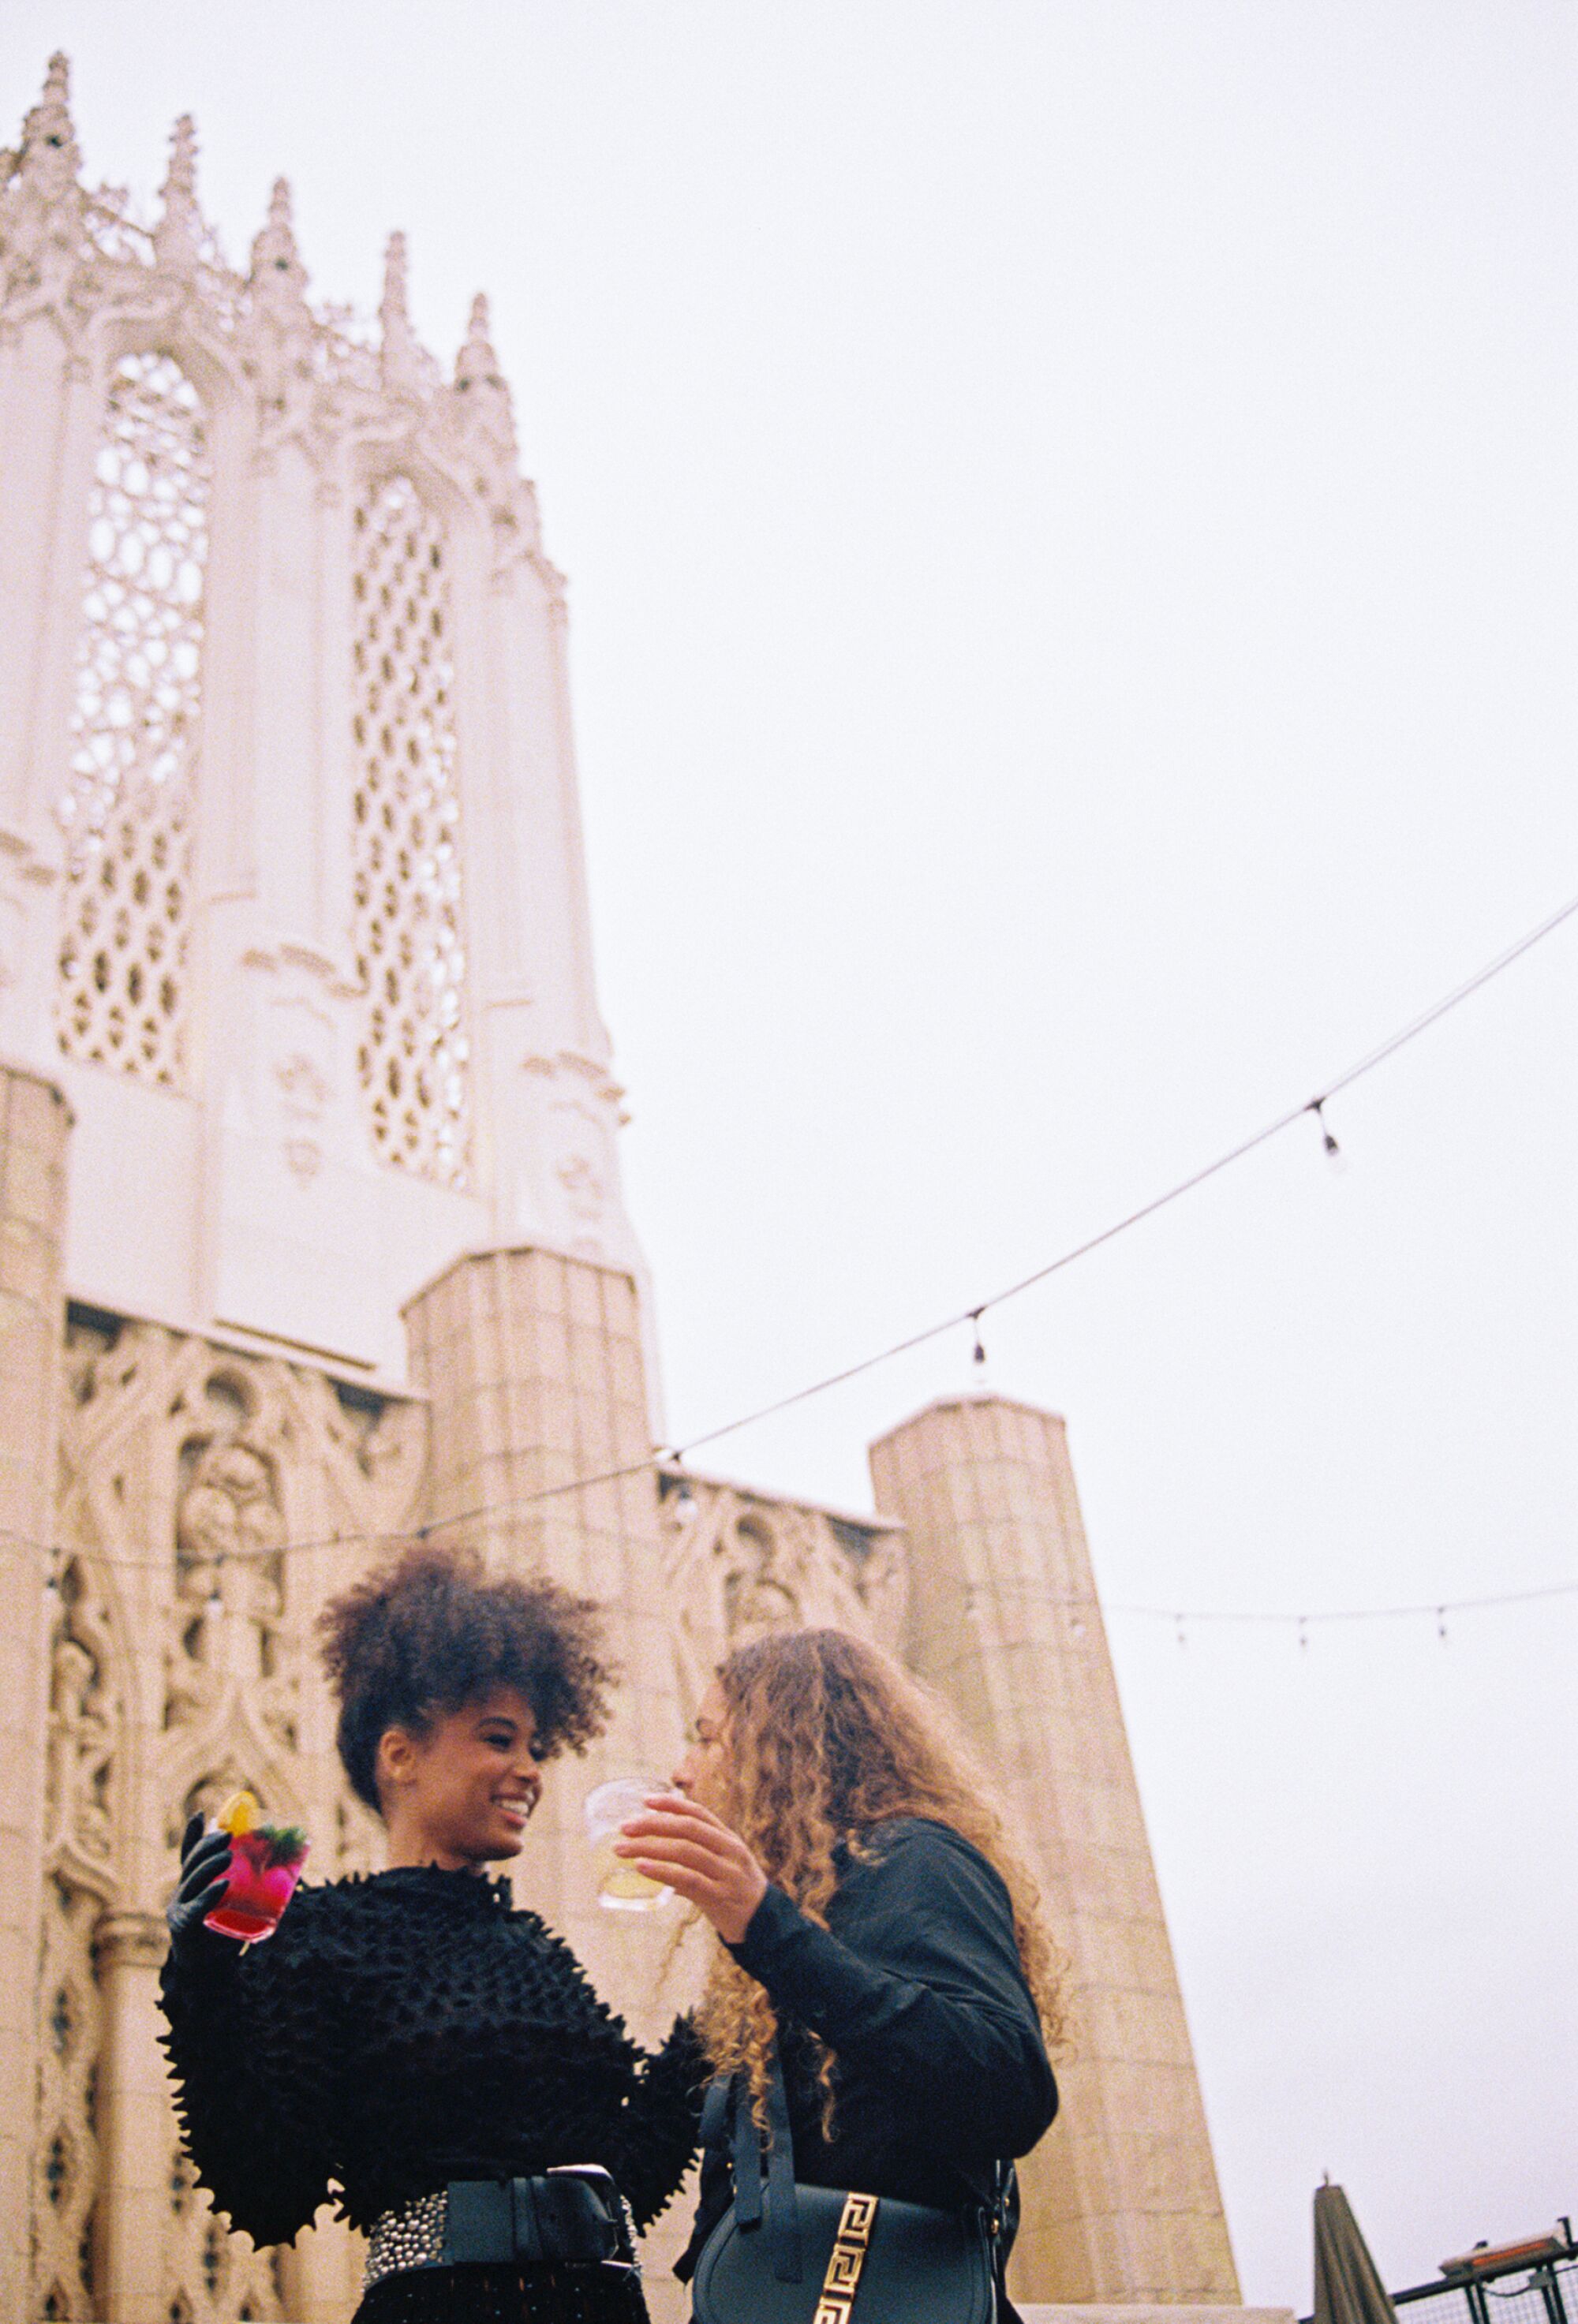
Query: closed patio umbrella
[{"x": 1347, "y": 2287}]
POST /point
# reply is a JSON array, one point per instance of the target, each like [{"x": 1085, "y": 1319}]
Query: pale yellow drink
[{"x": 621, "y": 1888}]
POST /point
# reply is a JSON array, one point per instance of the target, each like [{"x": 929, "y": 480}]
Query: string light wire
[
  {"x": 1435, "y": 1607},
  {"x": 1313, "y": 1105},
  {"x": 673, "y": 1457},
  {"x": 1083, "y": 1603}
]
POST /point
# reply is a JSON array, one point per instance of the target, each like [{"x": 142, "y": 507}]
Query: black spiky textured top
[{"x": 399, "y": 2031}]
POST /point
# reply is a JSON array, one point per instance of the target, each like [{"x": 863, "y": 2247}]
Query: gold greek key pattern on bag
[{"x": 849, "y": 2256}]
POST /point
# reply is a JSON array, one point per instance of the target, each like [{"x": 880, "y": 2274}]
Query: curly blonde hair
[{"x": 825, "y": 1737}]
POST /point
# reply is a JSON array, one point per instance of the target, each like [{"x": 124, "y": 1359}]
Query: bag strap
[
  {"x": 715, "y": 2110},
  {"x": 730, "y": 2097},
  {"x": 1005, "y": 2199},
  {"x": 747, "y": 2159},
  {"x": 1003, "y": 2223},
  {"x": 783, "y": 2219}
]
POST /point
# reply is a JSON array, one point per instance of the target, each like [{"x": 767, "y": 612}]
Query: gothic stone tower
[{"x": 310, "y": 1229}]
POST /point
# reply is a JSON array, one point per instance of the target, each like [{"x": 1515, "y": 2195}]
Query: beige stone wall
[
  {"x": 1121, "y": 2199},
  {"x": 33, "y": 1127},
  {"x": 532, "y": 1364}
]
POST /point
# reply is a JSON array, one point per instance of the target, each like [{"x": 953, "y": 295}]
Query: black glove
[{"x": 205, "y": 1874}]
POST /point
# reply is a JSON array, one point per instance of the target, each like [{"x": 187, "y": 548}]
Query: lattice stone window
[
  {"x": 66, "y": 2156},
  {"x": 414, "y": 1055},
  {"x": 128, "y": 810}
]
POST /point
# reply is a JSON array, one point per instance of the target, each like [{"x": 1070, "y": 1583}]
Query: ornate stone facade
[
  {"x": 739, "y": 1563},
  {"x": 311, "y": 1231},
  {"x": 190, "y": 1474}
]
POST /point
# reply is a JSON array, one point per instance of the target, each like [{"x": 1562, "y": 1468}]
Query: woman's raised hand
[
  {"x": 205, "y": 1862},
  {"x": 695, "y": 1853}
]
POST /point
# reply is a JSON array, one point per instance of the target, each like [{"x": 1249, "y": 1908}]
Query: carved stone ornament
[
  {"x": 85, "y": 1712},
  {"x": 66, "y": 2168},
  {"x": 739, "y": 1566},
  {"x": 300, "y": 1047},
  {"x": 310, "y": 374},
  {"x": 169, "y": 1436},
  {"x": 181, "y": 1666},
  {"x": 42, "y": 220}
]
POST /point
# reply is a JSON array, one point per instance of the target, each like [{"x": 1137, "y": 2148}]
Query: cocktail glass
[
  {"x": 621, "y": 1888},
  {"x": 265, "y": 1864}
]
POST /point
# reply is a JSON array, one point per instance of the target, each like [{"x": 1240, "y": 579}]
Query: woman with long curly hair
[
  {"x": 409, "y": 2041},
  {"x": 875, "y": 1924}
]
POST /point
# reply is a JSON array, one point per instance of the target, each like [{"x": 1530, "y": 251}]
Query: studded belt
[{"x": 572, "y": 2215}]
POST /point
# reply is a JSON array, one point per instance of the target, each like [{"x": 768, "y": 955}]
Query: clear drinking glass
[
  {"x": 265, "y": 1864},
  {"x": 621, "y": 1888}
]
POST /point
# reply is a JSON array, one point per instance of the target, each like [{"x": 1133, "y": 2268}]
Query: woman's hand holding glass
[
  {"x": 205, "y": 1877},
  {"x": 693, "y": 1852},
  {"x": 236, "y": 1876}
]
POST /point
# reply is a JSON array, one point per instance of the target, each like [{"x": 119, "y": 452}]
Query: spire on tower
[
  {"x": 476, "y": 360},
  {"x": 278, "y": 276},
  {"x": 178, "y": 234},
  {"x": 400, "y": 354},
  {"x": 482, "y": 393},
  {"x": 48, "y": 155},
  {"x": 45, "y": 203}
]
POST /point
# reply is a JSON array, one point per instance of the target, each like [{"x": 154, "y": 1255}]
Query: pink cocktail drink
[{"x": 265, "y": 1864}]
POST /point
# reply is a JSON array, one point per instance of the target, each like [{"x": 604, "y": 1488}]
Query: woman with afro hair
[{"x": 410, "y": 2042}]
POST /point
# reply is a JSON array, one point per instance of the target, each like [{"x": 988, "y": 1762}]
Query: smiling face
[
  {"x": 458, "y": 1795},
  {"x": 701, "y": 1773}
]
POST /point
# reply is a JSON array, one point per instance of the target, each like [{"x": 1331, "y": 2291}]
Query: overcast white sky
[{"x": 1071, "y": 511}]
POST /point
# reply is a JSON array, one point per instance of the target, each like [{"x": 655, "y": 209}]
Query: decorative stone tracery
[
  {"x": 209, "y": 2275},
  {"x": 410, "y": 946},
  {"x": 85, "y": 1707},
  {"x": 67, "y": 2166},
  {"x": 183, "y": 1667},
  {"x": 740, "y": 1565},
  {"x": 86, "y": 1711},
  {"x": 128, "y": 811},
  {"x": 379, "y": 568}
]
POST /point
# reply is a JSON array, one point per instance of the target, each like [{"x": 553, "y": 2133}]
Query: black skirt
[{"x": 505, "y": 2295}]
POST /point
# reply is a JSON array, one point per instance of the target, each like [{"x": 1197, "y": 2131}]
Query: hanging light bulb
[
  {"x": 683, "y": 1507},
  {"x": 1329, "y": 1146},
  {"x": 977, "y": 1350}
]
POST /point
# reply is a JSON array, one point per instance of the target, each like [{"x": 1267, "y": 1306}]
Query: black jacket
[
  {"x": 400, "y": 2032},
  {"x": 916, "y": 1985}
]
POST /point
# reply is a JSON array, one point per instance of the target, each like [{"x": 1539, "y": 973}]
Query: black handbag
[{"x": 784, "y": 2253}]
